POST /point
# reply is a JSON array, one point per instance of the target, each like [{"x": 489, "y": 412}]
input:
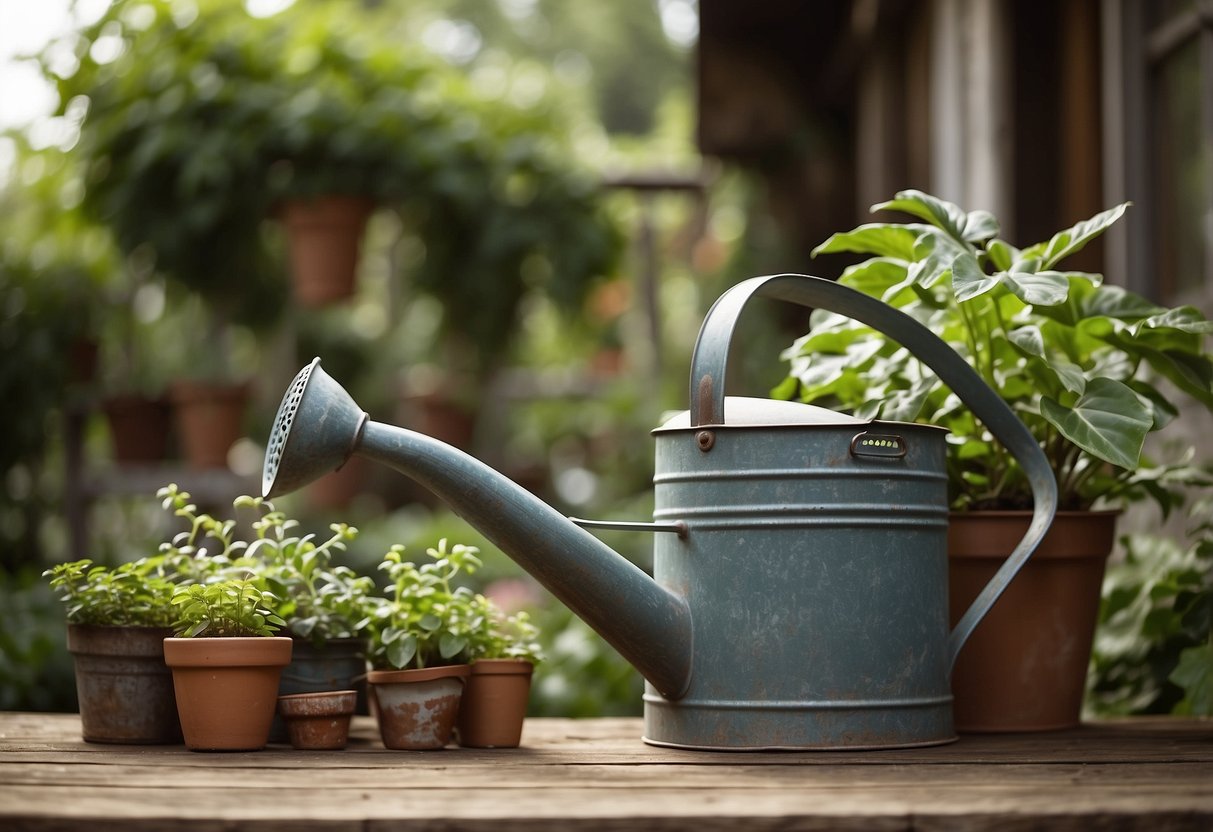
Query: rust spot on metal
[
  {"x": 705, "y": 439},
  {"x": 704, "y": 413}
]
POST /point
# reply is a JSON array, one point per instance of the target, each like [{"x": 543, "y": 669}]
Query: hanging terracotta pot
[
  {"x": 123, "y": 685},
  {"x": 416, "y": 709},
  {"x": 318, "y": 721},
  {"x": 139, "y": 427},
  {"x": 494, "y": 703},
  {"x": 1025, "y": 666},
  {"x": 324, "y": 235},
  {"x": 226, "y": 689},
  {"x": 210, "y": 419}
]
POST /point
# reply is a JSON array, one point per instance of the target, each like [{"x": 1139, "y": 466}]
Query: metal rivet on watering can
[{"x": 705, "y": 439}]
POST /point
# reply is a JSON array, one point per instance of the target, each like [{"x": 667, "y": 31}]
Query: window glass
[{"x": 1181, "y": 167}]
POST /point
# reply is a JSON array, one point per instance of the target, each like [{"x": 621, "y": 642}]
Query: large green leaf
[
  {"x": 874, "y": 276},
  {"x": 1039, "y": 288},
  {"x": 1194, "y": 673},
  {"x": 1074, "y": 238},
  {"x": 968, "y": 280},
  {"x": 970, "y": 227},
  {"x": 1108, "y": 421},
  {"x": 874, "y": 238}
]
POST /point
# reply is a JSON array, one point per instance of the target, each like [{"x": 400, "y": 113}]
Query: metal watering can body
[{"x": 799, "y": 595}]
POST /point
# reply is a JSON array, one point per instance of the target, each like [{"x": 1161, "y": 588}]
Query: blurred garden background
[{"x": 553, "y": 195}]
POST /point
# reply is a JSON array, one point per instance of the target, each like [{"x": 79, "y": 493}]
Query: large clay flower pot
[
  {"x": 494, "y": 703},
  {"x": 324, "y": 236},
  {"x": 1025, "y": 666},
  {"x": 227, "y": 689},
  {"x": 210, "y": 418},
  {"x": 318, "y": 721},
  {"x": 417, "y": 709},
  {"x": 124, "y": 687}
]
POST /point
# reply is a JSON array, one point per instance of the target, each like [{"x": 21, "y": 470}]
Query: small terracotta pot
[
  {"x": 324, "y": 236},
  {"x": 318, "y": 721},
  {"x": 139, "y": 427},
  {"x": 123, "y": 685},
  {"x": 227, "y": 689},
  {"x": 209, "y": 419},
  {"x": 494, "y": 703},
  {"x": 1025, "y": 666},
  {"x": 417, "y": 709}
]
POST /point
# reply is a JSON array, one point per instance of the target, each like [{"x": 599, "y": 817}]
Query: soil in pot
[
  {"x": 227, "y": 689},
  {"x": 494, "y": 703},
  {"x": 320, "y": 720},
  {"x": 1024, "y": 668},
  {"x": 124, "y": 687},
  {"x": 417, "y": 709}
]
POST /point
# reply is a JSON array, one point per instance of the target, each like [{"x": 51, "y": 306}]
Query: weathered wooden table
[{"x": 596, "y": 774}]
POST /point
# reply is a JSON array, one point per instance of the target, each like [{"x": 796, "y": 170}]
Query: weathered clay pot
[
  {"x": 139, "y": 428},
  {"x": 417, "y": 709},
  {"x": 324, "y": 236},
  {"x": 319, "y": 720},
  {"x": 494, "y": 703},
  {"x": 227, "y": 689},
  {"x": 1025, "y": 666},
  {"x": 124, "y": 687}
]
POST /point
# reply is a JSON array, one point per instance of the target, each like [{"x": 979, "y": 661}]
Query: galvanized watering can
[{"x": 799, "y": 596}]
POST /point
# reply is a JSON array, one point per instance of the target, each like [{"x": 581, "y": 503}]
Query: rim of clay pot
[
  {"x": 991, "y": 535},
  {"x": 502, "y": 667},
  {"x": 339, "y": 702},
  {"x": 239, "y": 651},
  {"x": 103, "y": 640},
  {"x": 425, "y": 674}
]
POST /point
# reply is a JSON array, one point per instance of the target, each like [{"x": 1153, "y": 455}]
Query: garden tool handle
[{"x": 710, "y": 359}]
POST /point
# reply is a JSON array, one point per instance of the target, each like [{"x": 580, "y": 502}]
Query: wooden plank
[{"x": 1139, "y": 774}]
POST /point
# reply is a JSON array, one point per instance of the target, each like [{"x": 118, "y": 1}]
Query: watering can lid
[{"x": 742, "y": 410}]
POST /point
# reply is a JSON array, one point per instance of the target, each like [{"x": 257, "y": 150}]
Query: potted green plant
[
  {"x": 1080, "y": 361},
  {"x": 118, "y": 619},
  {"x": 322, "y": 603},
  {"x": 419, "y": 633},
  {"x": 226, "y": 662},
  {"x": 503, "y": 651}
]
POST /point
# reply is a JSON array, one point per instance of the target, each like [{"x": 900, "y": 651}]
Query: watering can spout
[{"x": 319, "y": 427}]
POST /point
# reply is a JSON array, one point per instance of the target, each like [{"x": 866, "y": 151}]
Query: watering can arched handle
[{"x": 707, "y": 397}]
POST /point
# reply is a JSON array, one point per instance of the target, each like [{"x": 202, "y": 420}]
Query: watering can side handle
[{"x": 708, "y": 397}]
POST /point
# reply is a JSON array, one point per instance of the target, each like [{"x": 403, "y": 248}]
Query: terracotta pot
[
  {"x": 124, "y": 687},
  {"x": 1024, "y": 668},
  {"x": 337, "y": 489},
  {"x": 417, "y": 709},
  {"x": 324, "y": 237},
  {"x": 337, "y": 664},
  {"x": 494, "y": 703},
  {"x": 209, "y": 418},
  {"x": 227, "y": 689},
  {"x": 320, "y": 720},
  {"x": 139, "y": 427}
]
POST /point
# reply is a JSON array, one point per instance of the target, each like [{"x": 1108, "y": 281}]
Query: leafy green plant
[
  {"x": 320, "y": 601},
  {"x": 424, "y": 620},
  {"x": 502, "y": 636},
  {"x": 1154, "y": 646},
  {"x": 225, "y": 609},
  {"x": 1078, "y": 360},
  {"x": 136, "y": 594}
]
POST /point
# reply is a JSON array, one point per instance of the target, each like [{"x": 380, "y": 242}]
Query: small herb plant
[
  {"x": 424, "y": 620},
  {"x": 136, "y": 594},
  {"x": 226, "y": 609},
  {"x": 1078, "y": 360},
  {"x": 320, "y": 601},
  {"x": 503, "y": 636}
]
